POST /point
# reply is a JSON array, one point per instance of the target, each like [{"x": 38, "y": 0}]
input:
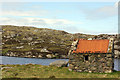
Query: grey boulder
[{"x": 59, "y": 63}]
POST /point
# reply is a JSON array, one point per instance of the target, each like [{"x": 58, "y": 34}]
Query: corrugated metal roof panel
[{"x": 92, "y": 46}]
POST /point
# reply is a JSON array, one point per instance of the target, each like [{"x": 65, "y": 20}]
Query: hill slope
[{"x": 25, "y": 41}]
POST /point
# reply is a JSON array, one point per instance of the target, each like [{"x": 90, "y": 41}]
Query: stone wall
[
  {"x": 97, "y": 62},
  {"x": 117, "y": 48}
]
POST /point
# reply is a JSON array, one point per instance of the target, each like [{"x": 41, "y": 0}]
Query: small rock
[
  {"x": 44, "y": 50},
  {"x": 90, "y": 71},
  {"x": 70, "y": 69},
  {"x": 49, "y": 56},
  {"x": 108, "y": 71},
  {"x": 30, "y": 38},
  {"x": 40, "y": 56}
]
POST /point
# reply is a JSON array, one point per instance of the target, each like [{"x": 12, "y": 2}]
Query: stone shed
[{"x": 92, "y": 56}]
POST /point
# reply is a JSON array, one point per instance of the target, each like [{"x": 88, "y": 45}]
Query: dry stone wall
[{"x": 97, "y": 62}]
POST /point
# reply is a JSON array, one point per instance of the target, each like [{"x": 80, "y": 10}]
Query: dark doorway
[{"x": 86, "y": 58}]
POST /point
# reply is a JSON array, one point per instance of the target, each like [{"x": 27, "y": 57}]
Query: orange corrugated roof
[{"x": 92, "y": 46}]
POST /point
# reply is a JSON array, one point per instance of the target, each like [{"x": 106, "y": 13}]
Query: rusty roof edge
[{"x": 94, "y": 39}]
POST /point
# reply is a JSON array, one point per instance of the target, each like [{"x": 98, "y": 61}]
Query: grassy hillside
[{"x": 36, "y": 42}]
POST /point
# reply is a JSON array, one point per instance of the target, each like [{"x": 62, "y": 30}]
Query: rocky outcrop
[
  {"x": 59, "y": 63},
  {"x": 32, "y": 54}
]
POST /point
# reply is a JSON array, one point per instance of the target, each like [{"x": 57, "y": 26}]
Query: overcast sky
[{"x": 73, "y": 17}]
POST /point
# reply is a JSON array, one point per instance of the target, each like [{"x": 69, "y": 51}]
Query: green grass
[{"x": 39, "y": 71}]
